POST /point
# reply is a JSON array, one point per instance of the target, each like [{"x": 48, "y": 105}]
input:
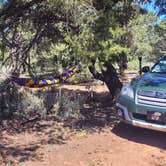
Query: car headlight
[{"x": 127, "y": 91}]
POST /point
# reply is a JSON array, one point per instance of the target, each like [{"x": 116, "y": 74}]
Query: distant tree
[
  {"x": 159, "y": 49},
  {"x": 144, "y": 36}
]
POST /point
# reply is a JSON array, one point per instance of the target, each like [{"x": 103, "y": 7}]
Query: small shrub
[
  {"x": 134, "y": 65},
  {"x": 68, "y": 105},
  {"x": 25, "y": 104},
  {"x": 31, "y": 106},
  {"x": 64, "y": 105},
  {"x": 82, "y": 77},
  {"x": 9, "y": 99}
]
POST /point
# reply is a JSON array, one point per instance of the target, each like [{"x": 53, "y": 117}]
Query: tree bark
[
  {"x": 122, "y": 63},
  {"x": 111, "y": 79},
  {"x": 93, "y": 71},
  {"x": 108, "y": 76}
]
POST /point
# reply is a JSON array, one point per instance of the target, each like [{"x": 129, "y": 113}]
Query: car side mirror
[{"x": 145, "y": 69}]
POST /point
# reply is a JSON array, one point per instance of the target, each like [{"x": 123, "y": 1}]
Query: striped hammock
[{"x": 34, "y": 83}]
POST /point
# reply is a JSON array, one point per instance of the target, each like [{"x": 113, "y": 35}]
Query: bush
[
  {"x": 9, "y": 99},
  {"x": 69, "y": 107},
  {"x": 26, "y": 104},
  {"x": 31, "y": 106},
  {"x": 83, "y": 77},
  {"x": 134, "y": 65}
]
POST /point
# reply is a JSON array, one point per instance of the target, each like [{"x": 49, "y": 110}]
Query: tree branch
[
  {"x": 95, "y": 74},
  {"x": 30, "y": 45}
]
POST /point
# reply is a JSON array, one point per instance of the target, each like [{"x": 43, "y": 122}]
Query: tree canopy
[{"x": 98, "y": 33}]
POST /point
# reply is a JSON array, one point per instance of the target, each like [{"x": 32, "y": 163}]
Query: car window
[{"x": 160, "y": 67}]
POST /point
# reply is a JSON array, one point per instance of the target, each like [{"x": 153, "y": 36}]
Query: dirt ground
[{"x": 99, "y": 139}]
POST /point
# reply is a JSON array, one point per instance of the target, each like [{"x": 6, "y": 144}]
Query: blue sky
[{"x": 151, "y": 7}]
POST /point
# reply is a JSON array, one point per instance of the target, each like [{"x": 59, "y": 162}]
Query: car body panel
[{"x": 149, "y": 99}]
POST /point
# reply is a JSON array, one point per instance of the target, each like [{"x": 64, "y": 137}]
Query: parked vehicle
[{"x": 142, "y": 102}]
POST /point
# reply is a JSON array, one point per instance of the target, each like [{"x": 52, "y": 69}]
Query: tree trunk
[
  {"x": 109, "y": 76},
  {"x": 111, "y": 79},
  {"x": 122, "y": 63},
  {"x": 14, "y": 59}
]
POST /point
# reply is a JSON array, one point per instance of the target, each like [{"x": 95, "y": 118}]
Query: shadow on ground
[
  {"x": 97, "y": 113},
  {"x": 10, "y": 153},
  {"x": 14, "y": 146},
  {"x": 141, "y": 135}
]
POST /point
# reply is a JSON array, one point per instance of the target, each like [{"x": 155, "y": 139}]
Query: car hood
[{"x": 152, "y": 81}]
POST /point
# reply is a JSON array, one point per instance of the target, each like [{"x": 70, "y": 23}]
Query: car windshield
[{"x": 159, "y": 67}]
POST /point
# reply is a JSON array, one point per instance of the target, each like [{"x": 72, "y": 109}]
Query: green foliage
[
  {"x": 24, "y": 104},
  {"x": 83, "y": 77},
  {"x": 69, "y": 107},
  {"x": 87, "y": 47},
  {"x": 133, "y": 65},
  {"x": 145, "y": 36},
  {"x": 159, "y": 48},
  {"x": 9, "y": 99},
  {"x": 45, "y": 37},
  {"x": 70, "y": 32},
  {"x": 31, "y": 106}
]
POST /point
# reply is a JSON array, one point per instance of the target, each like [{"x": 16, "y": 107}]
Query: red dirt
[
  {"x": 99, "y": 140},
  {"x": 118, "y": 145}
]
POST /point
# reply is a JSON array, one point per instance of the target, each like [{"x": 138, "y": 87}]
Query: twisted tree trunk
[
  {"x": 111, "y": 79},
  {"x": 108, "y": 76}
]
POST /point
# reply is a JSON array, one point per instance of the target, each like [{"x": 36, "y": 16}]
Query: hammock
[{"x": 34, "y": 83}]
